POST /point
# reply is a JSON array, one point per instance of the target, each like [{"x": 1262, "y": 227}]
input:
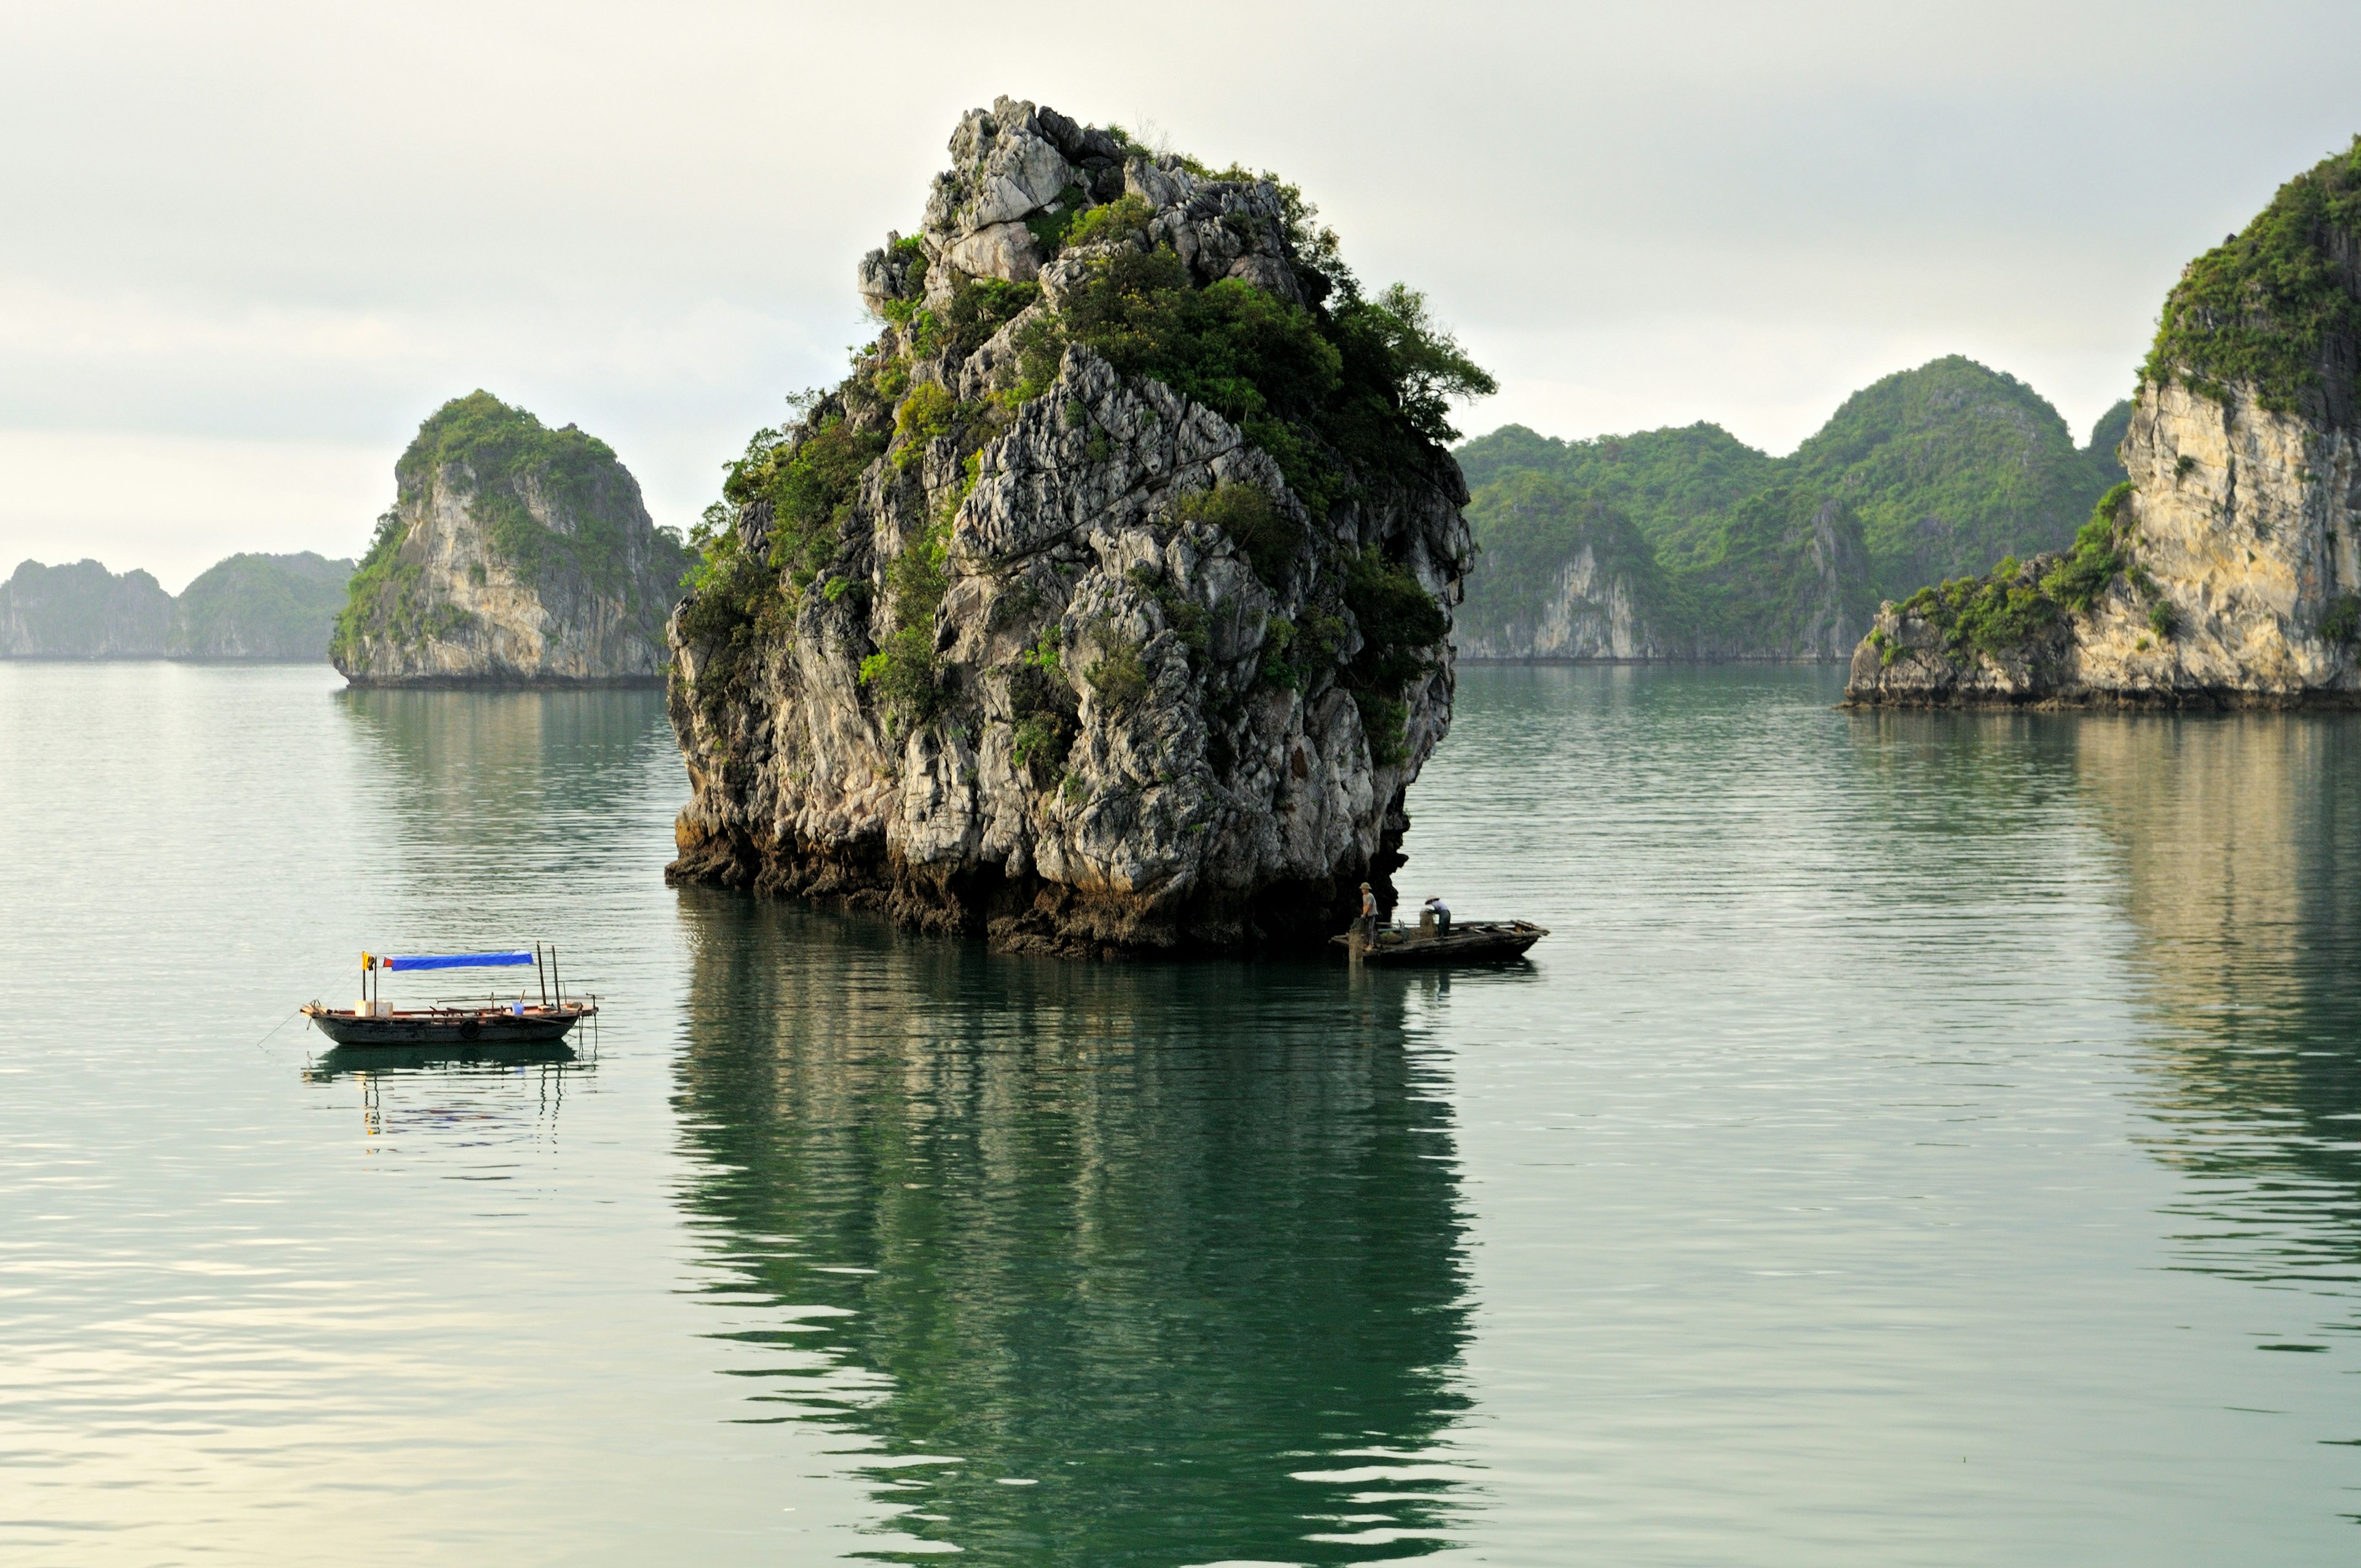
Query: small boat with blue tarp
[{"x": 522, "y": 1019}]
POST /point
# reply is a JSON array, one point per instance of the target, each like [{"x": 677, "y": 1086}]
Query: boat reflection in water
[
  {"x": 350, "y": 1061},
  {"x": 518, "y": 1088},
  {"x": 1156, "y": 1263}
]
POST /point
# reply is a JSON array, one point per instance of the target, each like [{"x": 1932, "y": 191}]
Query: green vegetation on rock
[
  {"x": 1786, "y": 559},
  {"x": 2019, "y": 604},
  {"x": 2276, "y": 307},
  {"x": 1351, "y": 378},
  {"x": 508, "y": 455},
  {"x": 1950, "y": 467}
]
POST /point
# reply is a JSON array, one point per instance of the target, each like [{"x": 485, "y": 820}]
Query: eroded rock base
[{"x": 1028, "y": 914}]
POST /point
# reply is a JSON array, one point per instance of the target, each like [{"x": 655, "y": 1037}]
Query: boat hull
[
  {"x": 444, "y": 1027},
  {"x": 1485, "y": 942}
]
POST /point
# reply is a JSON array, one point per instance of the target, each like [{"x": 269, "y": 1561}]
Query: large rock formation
[
  {"x": 81, "y": 612},
  {"x": 254, "y": 607},
  {"x": 514, "y": 555},
  {"x": 1103, "y": 607},
  {"x": 2227, "y": 569}
]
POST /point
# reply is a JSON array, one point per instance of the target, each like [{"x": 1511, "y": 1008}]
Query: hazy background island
[{"x": 218, "y": 337}]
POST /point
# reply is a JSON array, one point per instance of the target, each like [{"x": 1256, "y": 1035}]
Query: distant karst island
[
  {"x": 1688, "y": 545},
  {"x": 250, "y": 608},
  {"x": 1105, "y": 607},
  {"x": 2225, "y": 570},
  {"x": 513, "y": 554}
]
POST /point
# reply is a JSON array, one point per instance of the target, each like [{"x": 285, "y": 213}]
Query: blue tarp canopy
[{"x": 460, "y": 960}]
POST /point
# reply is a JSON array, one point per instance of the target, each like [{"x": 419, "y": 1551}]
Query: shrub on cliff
[
  {"x": 805, "y": 485},
  {"x": 2265, "y": 308},
  {"x": 1269, "y": 537},
  {"x": 2021, "y": 603},
  {"x": 1358, "y": 375}
]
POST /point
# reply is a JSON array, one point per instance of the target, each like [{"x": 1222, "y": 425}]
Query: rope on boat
[{"x": 281, "y": 1024}]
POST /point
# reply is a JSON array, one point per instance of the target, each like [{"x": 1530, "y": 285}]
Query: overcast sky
[{"x": 248, "y": 247}]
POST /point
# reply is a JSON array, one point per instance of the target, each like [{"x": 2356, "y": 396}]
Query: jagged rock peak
[
  {"x": 513, "y": 555},
  {"x": 1104, "y": 606},
  {"x": 1023, "y": 178},
  {"x": 2226, "y": 569}
]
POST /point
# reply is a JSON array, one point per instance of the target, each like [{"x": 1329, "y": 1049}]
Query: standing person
[
  {"x": 1369, "y": 914},
  {"x": 1442, "y": 916}
]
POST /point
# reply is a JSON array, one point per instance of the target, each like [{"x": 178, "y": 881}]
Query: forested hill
[
  {"x": 260, "y": 606},
  {"x": 1950, "y": 467},
  {"x": 1673, "y": 485},
  {"x": 1926, "y": 475}
]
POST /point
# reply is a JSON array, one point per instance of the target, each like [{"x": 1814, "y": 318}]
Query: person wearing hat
[
  {"x": 1442, "y": 916},
  {"x": 1368, "y": 913}
]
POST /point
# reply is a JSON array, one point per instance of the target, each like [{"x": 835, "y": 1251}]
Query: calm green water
[{"x": 1925, "y": 1140}]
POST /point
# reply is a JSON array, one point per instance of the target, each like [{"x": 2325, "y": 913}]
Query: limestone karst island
[
  {"x": 2225, "y": 570},
  {"x": 1106, "y": 606},
  {"x": 513, "y": 555}
]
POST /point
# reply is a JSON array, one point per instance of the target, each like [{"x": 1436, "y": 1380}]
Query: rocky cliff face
[
  {"x": 81, "y": 612},
  {"x": 1103, "y": 607},
  {"x": 2227, "y": 569},
  {"x": 514, "y": 555},
  {"x": 1589, "y": 612},
  {"x": 1566, "y": 577}
]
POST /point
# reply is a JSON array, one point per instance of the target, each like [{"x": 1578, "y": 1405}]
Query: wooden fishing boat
[
  {"x": 451, "y": 1024},
  {"x": 1468, "y": 942},
  {"x": 519, "y": 1020}
]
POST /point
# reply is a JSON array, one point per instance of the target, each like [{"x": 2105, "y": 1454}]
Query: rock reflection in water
[
  {"x": 2235, "y": 843},
  {"x": 1144, "y": 1264},
  {"x": 2241, "y": 848},
  {"x": 538, "y": 774}
]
